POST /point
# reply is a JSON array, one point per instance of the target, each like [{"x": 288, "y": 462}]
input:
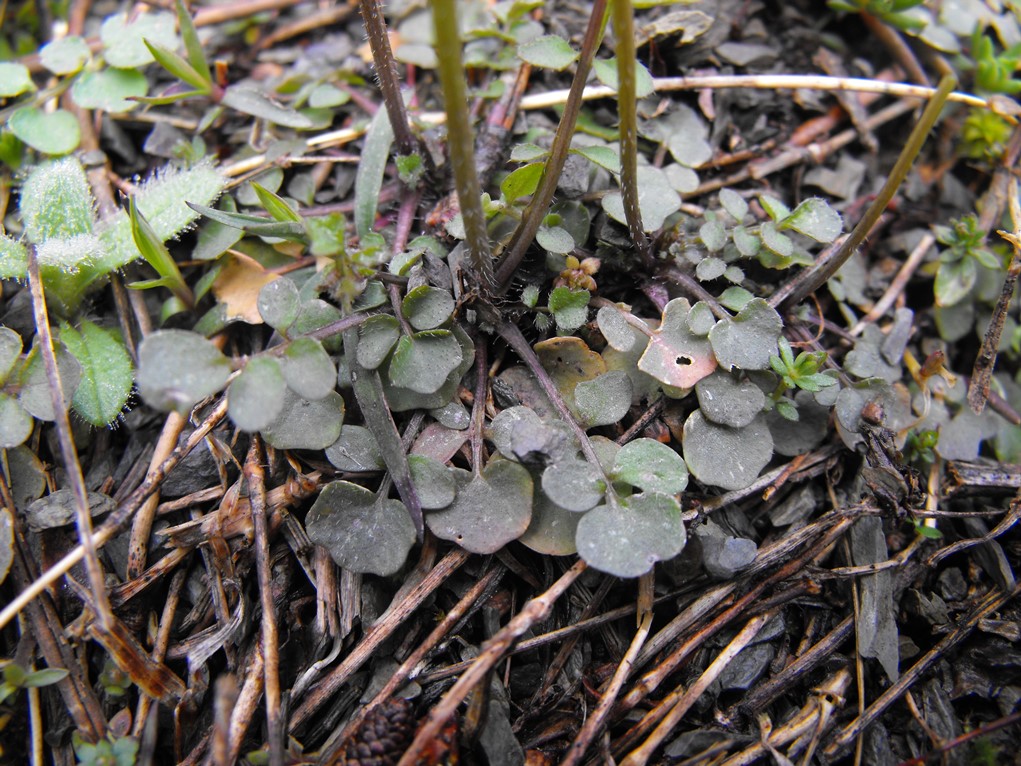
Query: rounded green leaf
[
  {"x": 362, "y": 533},
  {"x": 356, "y": 450},
  {"x": 178, "y": 369},
  {"x": 606, "y": 72},
  {"x": 627, "y": 539},
  {"x": 720, "y": 456},
  {"x": 569, "y": 307},
  {"x": 308, "y": 369},
  {"x": 555, "y": 239},
  {"x": 734, "y": 204},
  {"x": 15, "y": 423},
  {"x": 427, "y": 307},
  {"x": 433, "y": 481},
  {"x": 651, "y": 466},
  {"x": 423, "y": 361},
  {"x": 34, "y": 395},
  {"x": 490, "y": 509},
  {"x": 775, "y": 241},
  {"x": 376, "y": 336},
  {"x": 816, "y": 219},
  {"x": 749, "y": 339},
  {"x": 10, "y": 350},
  {"x": 792, "y": 438},
  {"x": 603, "y": 400},
  {"x": 700, "y": 319},
  {"x": 304, "y": 424},
  {"x": 728, "y": 402},
  {"x": 656, "y": 199},
  {"x": 552, "y": 529},
  {"x": 107, "y": 372},
  {"x": 109, "y": 89},
  {"x": 614, "y": 327},
  {"x": 279, "y": 304},
  {"x": 256, "y": 396},
  {"x": 522, "y": 181},
  {"x": 66, "y": 55},
  {"x": 549, "y": 52},
  {"x": 123, "y": 44},
  {"x": 14, "y": 79},
  {"x": 26, "y": 476},
  {"x": 574, "y": 485},
  {"x": 53, "y": 133},
  {"x": 520, "y": 434}
]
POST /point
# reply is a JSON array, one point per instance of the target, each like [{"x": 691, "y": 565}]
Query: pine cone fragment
[{"x": 382, "y": 738}]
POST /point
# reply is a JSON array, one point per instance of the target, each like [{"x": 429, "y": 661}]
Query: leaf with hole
[
  {"x": 721, "y": 456},
  {"x": 107, "y": 373},
  {"x": 651, "y": 466},
  {"x": 422, "y": 362},
  {"x": 305, "y": 424},
  {"x": 627, "y": 539},
  {"x": 548, "y": 52},
  {"x": 362, "y": 532},
  {"x": 675, "y": 355},
  {"x": 178, "y": 369},
  {"x": 426, "y": 307},
  {"x": 256, "y": 396},
  {"x": 574, "y": 485},
  {"x": 729, "y": 402},
  {"x": 433, "y": 481},
  {"x": 749, "y": 339},
  {"x": 490, "y": 510}
]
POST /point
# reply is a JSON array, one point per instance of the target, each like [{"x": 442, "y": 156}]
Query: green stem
[
  {"x": 623, "y": 30},
  {"x": 536, "y": 210},
  {"x": 817, "y": 276},
  {"x": 460, "y": 138}
]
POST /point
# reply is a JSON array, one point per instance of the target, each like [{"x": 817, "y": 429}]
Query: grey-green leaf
[
  {"x": 258, "y": 104},
  {"x": 178, "y": 369},
  {"x": 279, "y": 303},
  {"x": 603, "y": 400},
  {"x": 376, "y": 336},
  {"x": 720, "y": 456},
  {"x": 574, "y": 485},
  {"x": 615, "y": 329},
  {"x": 675, "y": 355},
  {"x": 749, "y": 339},
  {"x": 362, "y": 533},
  {"x": 548, "y": 51},
  {"x": 433, "y": 481},
  {"x": 307, "y": 368},
  {"x": 356, "y": 450},
  {"x": 256, "y": 396},
  {"x": 427, "y": 307},
  {"x": 52, "y": 133},
  {"x": 35, "y": 387},
  {"x": 627, "y": 539},
  {"x": 15, "y": 423},
  {"x": 729, "y": 402},
  {"x": 490, "y": 509},
  {"x": 10, "y": 350},
  {"x": 651, "y": 466},
  {"x": 304, "y": 424},
  {"x": 423, "y": 361},
  {"x": 816, "y": 219},
  {"x": 110, "y": 89}
]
